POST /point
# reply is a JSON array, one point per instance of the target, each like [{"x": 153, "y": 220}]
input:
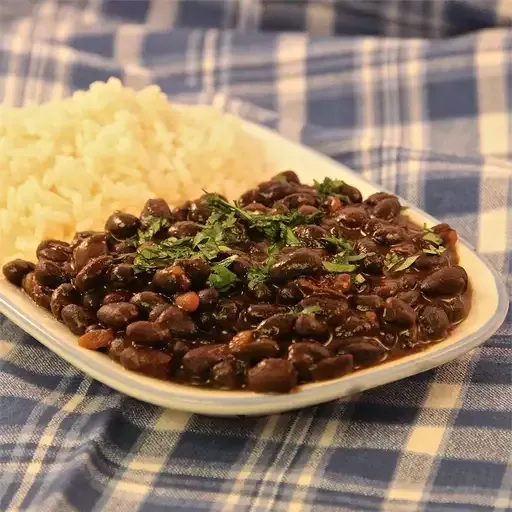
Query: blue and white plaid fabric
[{"x": 431, "y": 119}]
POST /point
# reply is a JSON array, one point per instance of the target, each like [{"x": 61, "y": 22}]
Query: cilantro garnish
[
  {"x": 271, "y": 226},
  {"x": 359, "y": 279},
  {"x": 259, "y": 274},
  {"x": 396, "y": 263},
  {"x": 150, "y": 227},
  {"x": 330, "y": 187},
  {"x": 431, "y": 236},
  {"x": 339, "y": 268},
  {"x": 313, "y": 309},
  {"x": 150, "y": 256},
  {"x": 431, "y": 249},
  {"x": 221, "y": 277}
]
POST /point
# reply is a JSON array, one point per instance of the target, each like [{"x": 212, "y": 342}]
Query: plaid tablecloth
[{"x": 431, "y": 119}]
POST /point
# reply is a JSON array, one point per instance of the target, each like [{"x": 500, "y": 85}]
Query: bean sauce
[{"x": 290, "y": 284}]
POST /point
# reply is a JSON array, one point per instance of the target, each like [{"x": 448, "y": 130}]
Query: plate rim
[{"x": 219, "y": 402}]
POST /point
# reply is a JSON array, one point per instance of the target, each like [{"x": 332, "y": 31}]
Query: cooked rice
[{"x": 66, "y": 165}]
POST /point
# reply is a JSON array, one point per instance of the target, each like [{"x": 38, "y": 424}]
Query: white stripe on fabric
[
  {"x": 494, "y": 115},
  {"x": 320, "y": 17},
  {"x": 291, "y": 85},
  {"x": 162, "y": 13}
]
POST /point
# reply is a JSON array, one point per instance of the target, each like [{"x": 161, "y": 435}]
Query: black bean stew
[{"x": 291, "y": 284}]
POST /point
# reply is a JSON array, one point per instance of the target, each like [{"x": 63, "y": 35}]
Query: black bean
[
  {"x": 117, "y": 296},
  {"x": 77, "y": 318},
  {"x": 62, "y": 296},
  {"x": 148, "y": 361},
  {"x": 244, "y": 346},
  {"x": 387, "y": 209},
  {"x": 310, "y": 234},
  {"x": 93, "y": 273},
  {"x": 304, "y": 355},
  {"x": 277, "y": 326},
  {"x": 228, "y": 374},
  {"x": 16, "y": 270},
  {"x": 122, "y": 225},
  {"x": 399, "y": 313},
  {"x": 353, "y": 217},
  {"x": 54, "y": 250},
  {"x": 171, "y": 280},
  {"x": 256, "y": 313},
  {"x": 457, "y": 308},
  {"x": 390, "y": 235},
  {"x": 90, "y": 247},
  {"x": 208, "y": 299},
  {"x": 447, "y": 281},
  {"x": 199, "y": 361},
  {"x": 308, "y": 326},
  {"x": 332, "y": 367},
  {"x": 147, "y": 301},
  {"x": 272, "y": 376},
  {"x": 365, "y": 353},
  {"x": 178, "y": 321},
  {"x": 199, "y": 211},
  {"x": 300, "y": 262},
  {"x": 377, "y": 197},
  {"x": 294, "y": 201},
  {"x": 147, "y": 332},
  {"x": 367, "y": 302},
  {"x": 288, "y": 176},
  {"x": 49, "y": 274},
  {"x": 196, "y": 269},
  {"x": 411, "y": 297},
  {"x": 184, "y": 228},
  {"x": 434, "y": 321},
  {"x": 155, "y": 208},
  {"x": 92, "y": 299},
  {"x": 118, "y": 315}
]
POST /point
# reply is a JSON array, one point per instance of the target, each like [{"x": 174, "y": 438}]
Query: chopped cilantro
[
  {"x": 333, "y": 266},
  {"x": 259, "y": 274},
  {"x": 221, "y": 277},
  {"x": 330, "y": 187},
  {"x": 271, "y": 226},
  {"x": 431, "y": 236},
  {"x": 150, "y": 227},
  {"x": 150, "y": 256},
  {"x": 313, "y": 309},
  {"x": 431, "y": 249},
  {"x": 289, "y": 237},
  {"x": 338, "y": 242},
  {"x": 359, "y": 279},
  {"x": 396, "y": 263}
]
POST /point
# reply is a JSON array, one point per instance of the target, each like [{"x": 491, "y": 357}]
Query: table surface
[{"x": 416, "y": 96}]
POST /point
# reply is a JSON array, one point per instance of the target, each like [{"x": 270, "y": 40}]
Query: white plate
[{"x": 489, "y": 307}]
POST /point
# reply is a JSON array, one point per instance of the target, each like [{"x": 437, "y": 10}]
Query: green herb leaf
[
  {"x": 406, "y": 263},
  {"x": 313, "y": 309},
  {"x": 332, "y": 266},
  {"x": 330, "y": 187},
  {"x": 341, "y": 243},
  {"x": 357, "y": 257},
  {"x": 359, "y": 279},
  {"x": 290, "y": 238},
  {"x": 271, "y": 226},
  {"x": 221, "y": 277},
  {"x": 150, "y": 227},
  {"x": 150, "y": 256},
  {"x": 259, "y": 274},
  {"x": 431, "y": 236},
  {"x": 431, "y": 249},
  {"x": 392, "y": 259}
]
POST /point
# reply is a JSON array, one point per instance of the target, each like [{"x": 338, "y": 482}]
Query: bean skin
[
  {"x": 272, "y": 376},
  {"x": 147, "y": 332},
  {"x": 77, "y": 318},
  {"x": 16, "y": 270},
  {"x": 147, "y": 361},
  {"x": 118, "y": 315},
  {"x": 94, "y": 340}
]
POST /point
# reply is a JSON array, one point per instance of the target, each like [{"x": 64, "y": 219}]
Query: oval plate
[{"x": 490, "y": 304}]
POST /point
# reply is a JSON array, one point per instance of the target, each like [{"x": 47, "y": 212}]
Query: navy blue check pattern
[{"x": 360, "y": 82}]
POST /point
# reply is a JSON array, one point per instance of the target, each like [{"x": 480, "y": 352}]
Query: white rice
[{"x": 67, "y": 165}]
